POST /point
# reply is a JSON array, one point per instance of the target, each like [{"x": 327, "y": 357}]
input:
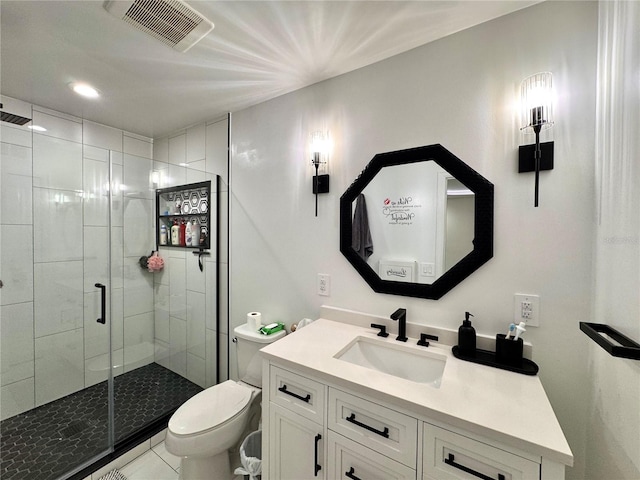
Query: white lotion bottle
[
  {"x": 163, "y": 234},
  {"x": 195, "y": 233},
  {"x": 175, "y": 234},
  {"x": 189, "y": 234}
]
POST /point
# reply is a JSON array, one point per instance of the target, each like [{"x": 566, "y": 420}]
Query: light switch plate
[{"x": 427, "y": 269}]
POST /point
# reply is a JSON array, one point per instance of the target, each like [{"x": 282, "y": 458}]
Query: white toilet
[{"x": 208, "y": 425}]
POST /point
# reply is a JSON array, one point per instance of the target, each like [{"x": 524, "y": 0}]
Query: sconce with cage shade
[
  {"x": 536, "y": 97},
  {"x": 536, "y": 100}
]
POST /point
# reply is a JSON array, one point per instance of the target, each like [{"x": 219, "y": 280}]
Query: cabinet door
[
  {"x": 296, "y": 446},
  {"x": 348, "y": 460},
  {"x": 449, "y": 456}
]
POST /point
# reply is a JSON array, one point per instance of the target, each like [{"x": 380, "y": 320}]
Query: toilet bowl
[
  {"x": 212, "y": 423},
  {"x": 205, "y": 427}
]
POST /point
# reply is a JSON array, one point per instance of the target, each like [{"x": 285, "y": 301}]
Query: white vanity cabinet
[
  {"x": 328, "y": 418},
  {"x": 320, "y": 431},
  {"x": 296, "y": 426},
  {"x": 348, "y": 438}
]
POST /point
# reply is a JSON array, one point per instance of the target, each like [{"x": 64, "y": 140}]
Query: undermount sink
[{"x": 397, "y": 360}]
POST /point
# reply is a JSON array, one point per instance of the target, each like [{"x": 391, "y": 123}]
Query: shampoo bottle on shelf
[
  {"x": 175, "y": 233},
  {"x": 163, "y": 234},
  {"x": 188, "y": 234},
  {"x": 182, "y": 233},
  {"x": 467, "y": 337},
  {"x": 195, "y": 233}
]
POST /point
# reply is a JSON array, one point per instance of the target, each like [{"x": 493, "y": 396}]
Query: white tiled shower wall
[
  {"x": 185, "y": 313},
  {"x": 54, "y": 238}
]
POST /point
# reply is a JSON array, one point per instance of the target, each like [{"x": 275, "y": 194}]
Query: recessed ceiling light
[
  {"x": 37, "y": 128},
  {"x": 85, "y": 90}
]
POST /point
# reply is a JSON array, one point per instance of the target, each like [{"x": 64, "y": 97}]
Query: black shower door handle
[{"x": 103, "y": 303}]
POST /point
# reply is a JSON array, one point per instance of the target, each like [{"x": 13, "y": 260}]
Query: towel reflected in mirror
[{"x": 360, "y": 233}]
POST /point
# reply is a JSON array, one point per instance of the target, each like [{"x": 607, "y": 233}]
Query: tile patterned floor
[
  {"x": 148, "y": 461},
  {"x": 46, "y": 442},
  {"x": 155, "y": 464}
]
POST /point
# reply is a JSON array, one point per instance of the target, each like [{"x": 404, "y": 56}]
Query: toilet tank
[{"x": 248, "y": 344}]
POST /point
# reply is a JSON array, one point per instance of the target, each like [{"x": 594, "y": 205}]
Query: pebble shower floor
[{"x": 48, "y": 441}]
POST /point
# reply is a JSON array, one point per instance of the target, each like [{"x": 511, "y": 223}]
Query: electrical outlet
[
  {"x": 324, "y": 284},
  {"x": 526, "y": 309}
]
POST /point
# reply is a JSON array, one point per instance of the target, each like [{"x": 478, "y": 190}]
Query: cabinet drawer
[
  {"x": 349, "y": 460},
  {"x": 450, "y": 456},
  {"x": 386, "y": 431},
  {"x": 298, "y": 394}
]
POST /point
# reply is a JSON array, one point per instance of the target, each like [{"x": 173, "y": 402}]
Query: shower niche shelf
[{"x": 182, "y": 204}]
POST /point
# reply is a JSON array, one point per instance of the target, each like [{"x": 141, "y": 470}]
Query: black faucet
[
  {"x": 383, "y": 329},
  {"x": 401, "y": 315},
  {"x": 423, "y": 339}
]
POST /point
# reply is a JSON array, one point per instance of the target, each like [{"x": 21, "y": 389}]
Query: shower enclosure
[{"x": 97, "y": 351}]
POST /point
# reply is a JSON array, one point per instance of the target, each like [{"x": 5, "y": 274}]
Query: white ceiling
[{"x": 257, "y": 51}]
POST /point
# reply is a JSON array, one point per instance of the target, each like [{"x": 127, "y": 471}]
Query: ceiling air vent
[
  {"x": 13, "y": 118},
  {"x": 173, "y": 22}
]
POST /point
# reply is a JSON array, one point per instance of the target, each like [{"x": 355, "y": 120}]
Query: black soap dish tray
[{"x": 485, "y": 357}]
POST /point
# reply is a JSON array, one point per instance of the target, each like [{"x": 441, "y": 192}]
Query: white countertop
[{"x": 503, "y": 406}]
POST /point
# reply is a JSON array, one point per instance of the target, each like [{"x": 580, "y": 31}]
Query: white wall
[
  {"x": 461, "y": 92},
  {"x": 613, "y": 430}
]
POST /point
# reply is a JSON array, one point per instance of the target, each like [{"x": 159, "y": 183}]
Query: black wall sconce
[
  {"x": 536, "y": 94},
  {"x": 320, "y": 154}
]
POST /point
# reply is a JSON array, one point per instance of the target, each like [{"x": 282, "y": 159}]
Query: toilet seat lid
[{"x": 210, "y": 408}]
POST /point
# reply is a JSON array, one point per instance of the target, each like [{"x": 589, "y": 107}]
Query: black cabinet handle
[
  {"x": 316, "y": 467},
  {"x": 451, "y": 461},
  {"x": 352, "y": 419},
  {"x": 103, "y": 302},
  {"x": 283, "y": 389},
  {"x": 351, "y": 475}
]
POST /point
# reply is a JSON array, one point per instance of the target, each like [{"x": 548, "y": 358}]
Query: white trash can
[{"x": 251, "y": 456}]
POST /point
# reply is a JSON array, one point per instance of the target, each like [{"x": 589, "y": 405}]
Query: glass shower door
[
  {"x": 101, "y": 191},
  {"x": 56, "y": 356}
]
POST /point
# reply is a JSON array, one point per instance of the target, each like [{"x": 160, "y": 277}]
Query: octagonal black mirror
[{"x": 417, "y": 222}]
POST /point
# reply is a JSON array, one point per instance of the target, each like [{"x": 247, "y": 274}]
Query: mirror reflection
[{"x": 420, "y": 222}]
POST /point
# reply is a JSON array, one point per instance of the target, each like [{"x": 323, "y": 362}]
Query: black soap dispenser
[{"x": 467, "y": 337}]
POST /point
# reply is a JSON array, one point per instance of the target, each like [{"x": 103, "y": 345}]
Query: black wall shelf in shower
[
  {"x": 626, "y": 347},
  {"x": 194, "y": 203}
]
